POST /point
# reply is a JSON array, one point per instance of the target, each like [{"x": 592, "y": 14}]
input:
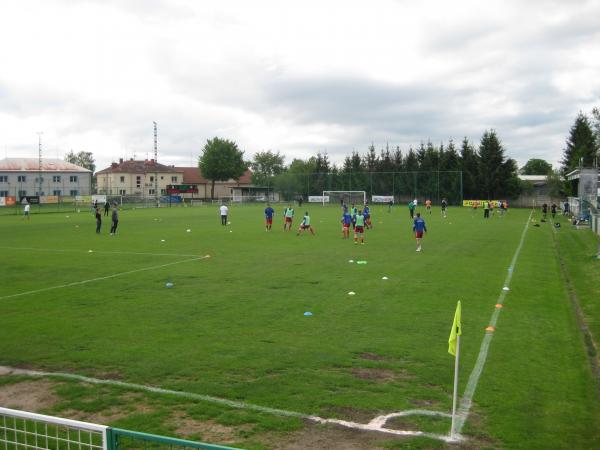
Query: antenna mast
[
  {"x": 156, "y": 163},
  {"x": 39, "y": 133}
]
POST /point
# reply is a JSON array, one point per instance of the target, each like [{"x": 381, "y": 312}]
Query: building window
[
  {"x": 122, "y": 192},
  {"x": 162, "y": 192},
  {"x": 173, "y": 179},
  {"x": 39, "y": 180},
  {"x": 22, "y": 179},
  {"x": 122, "y": 179},
  {"x": 138, "y": 181},
  {"x": 151, "y": 179},
  {"x": 3, "y": 178},
  {"x": 41, "y": 194},
  {"x": 22, "y": 193},
  {"x": 162, "y": 178},
  {"x": 56, "y": 192},
  {"x": 56, "y": 178},
  {"x": 150, "y": 191},
  {"x": 73, "y": 192},
  {"x": 73, "y": 178},
  {"x": 3, "y": 193}
]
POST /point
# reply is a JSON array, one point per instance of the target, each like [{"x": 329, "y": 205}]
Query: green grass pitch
[{"x": 233, "y": 324}]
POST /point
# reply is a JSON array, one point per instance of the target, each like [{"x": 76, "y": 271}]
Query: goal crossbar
[{"x": 345, "y": 195}]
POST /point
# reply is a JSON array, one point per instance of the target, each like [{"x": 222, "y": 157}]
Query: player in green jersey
[
  {"x": 359, "y": 228},
  {"x": 305, "y": 225}
]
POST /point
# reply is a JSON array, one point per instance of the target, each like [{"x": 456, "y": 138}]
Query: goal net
[{"x": 346, "y": 197}]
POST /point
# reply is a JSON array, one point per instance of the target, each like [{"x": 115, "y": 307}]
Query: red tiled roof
[
  {"x": 133, "y": 166},
  {"x": 192, "y": 175},
  {"x": 246, "y": 178},
  {"x": 32, "y": 165}
]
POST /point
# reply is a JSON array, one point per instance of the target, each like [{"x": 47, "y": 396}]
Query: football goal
[{"x": 346, "y": 197}]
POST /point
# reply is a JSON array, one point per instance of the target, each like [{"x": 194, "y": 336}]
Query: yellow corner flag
[{"x": 455, "y": 331}]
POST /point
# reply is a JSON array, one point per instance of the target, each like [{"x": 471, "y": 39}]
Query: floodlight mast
[{"x": 156, "y": 163}]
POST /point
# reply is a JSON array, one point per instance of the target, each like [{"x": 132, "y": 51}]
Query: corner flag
[{"x": 455, "y": 331}]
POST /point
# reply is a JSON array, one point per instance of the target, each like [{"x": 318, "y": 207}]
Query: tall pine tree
[
  {"x": 497, "y": 175},
  {"x": 469, "y": 166},
  {"x": 582, "y": 147}
]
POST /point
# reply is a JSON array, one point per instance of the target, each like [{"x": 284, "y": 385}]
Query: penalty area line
[
  {"x": 62, "y": 250},
  {"x": 91, "y": 280},
  {"x": 377, "y": 424}
]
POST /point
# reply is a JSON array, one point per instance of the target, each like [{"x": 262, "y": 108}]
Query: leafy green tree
[
  {"x": 221, "y": 160},
  {"x": 581, "y": 145},
  {"x": 296, "y": 179},
  {"x": 82, "y": 159},
  {"x": 556, "y": 185},
  {"x": 265, "y": 166},
  {"x": 536, "y": 166}
]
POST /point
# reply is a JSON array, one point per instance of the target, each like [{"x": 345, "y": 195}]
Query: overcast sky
[{"x": 297, "y": 77}]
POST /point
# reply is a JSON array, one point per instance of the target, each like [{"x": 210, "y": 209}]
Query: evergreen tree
[
  {"x": 321, "y": 179},
  {"x": 497, "y": 175},
  {"x": 469, "y": 166},
  {"x": 581, "y": 146},
  {"x": 398, "y": 160},
  {"x": 370, "y": 159}
]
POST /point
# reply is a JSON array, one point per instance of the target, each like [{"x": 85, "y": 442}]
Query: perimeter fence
[{"x": 21, "y": 430}]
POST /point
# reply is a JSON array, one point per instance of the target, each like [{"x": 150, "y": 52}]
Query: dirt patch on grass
[
  {"x": 423, "y": 403},
  {"x": 401, "y": 423},
  {"x": 380, "y": 375},
  {"x": 350, "y": 414},
  {"x": 103, "y": 418},
  {"x": 208, "y": 431},
  {"x": 371, "y": 356},
  {"x": 318, "y": 437},
  {"x": 30, "y": 396}
]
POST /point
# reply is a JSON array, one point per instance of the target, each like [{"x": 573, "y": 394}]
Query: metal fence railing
[{"x": 20, "y": 430}]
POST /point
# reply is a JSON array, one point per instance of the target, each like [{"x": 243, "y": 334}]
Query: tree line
[{"x": 435, "y": 171}]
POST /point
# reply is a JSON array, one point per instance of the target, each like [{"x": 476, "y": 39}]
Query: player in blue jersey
[
  {"x": 419, "y": 228},
  {"x": 269, "y": 212},
  {"x": 367, "y": 214},
  {"x": 346, "y": 222}
]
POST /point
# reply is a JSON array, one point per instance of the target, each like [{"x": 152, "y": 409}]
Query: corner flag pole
[
  {"x": 454, "y": 349},
  {"x": 455, "y": 395}
]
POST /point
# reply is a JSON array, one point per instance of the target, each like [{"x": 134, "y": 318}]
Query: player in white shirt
[{"x": 224, "y": 211}]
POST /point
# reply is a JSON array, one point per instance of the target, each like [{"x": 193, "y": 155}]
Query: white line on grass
[
  {"x": 62, "y": 250},
  {"x": 120, "y": 274},
  {"x": 467, "y": 399},
  {"x": 377, "y": 424}
]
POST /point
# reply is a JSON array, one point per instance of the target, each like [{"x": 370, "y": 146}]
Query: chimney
[
  {"x": 120, "y": 160},
  {"x": 152, "y": 160},
  {"x": 114, "y": 165}
]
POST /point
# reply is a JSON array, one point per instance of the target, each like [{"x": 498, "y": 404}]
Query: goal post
[{"x": 347, "y": 197}]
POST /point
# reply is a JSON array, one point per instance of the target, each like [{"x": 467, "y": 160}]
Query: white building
[{"x": 21, "y": 177}]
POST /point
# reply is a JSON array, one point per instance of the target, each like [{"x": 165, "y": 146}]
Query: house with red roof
[{"x": 142, "y": 177}]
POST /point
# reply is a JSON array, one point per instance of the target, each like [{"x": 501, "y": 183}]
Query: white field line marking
[
  {"x": 467, "y": 399},
  {"x": 77, "y": 283},
  {"x": 59, "y": 250},
  {"x": 377, "y": 424}
]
